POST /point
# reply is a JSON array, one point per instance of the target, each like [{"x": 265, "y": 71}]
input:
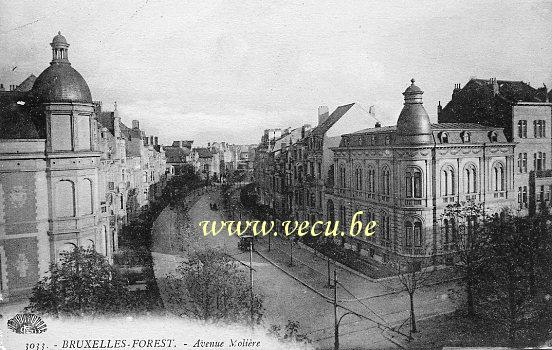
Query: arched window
[
  {"x": 498, "y": 177},
  {"x": 409, "y": 228},
  {"x": 444, "y": 137},
  {"x": 331, "y": 179},
  {"x": 358, "y": 179},
  {"x": 65, "y": 249},
  {"x": 330, "y": 210},
  {"x": 342, "y": 177},
  {"x": 493, "y": 136},
  {"x": 65, "y": 198},
  {"x": 470, "y": 179},
  {"x": 371, "y": 180},
  {"x": 447, "y": 181},
  {"x": 418, "y": 240},
  {"x": 466, "y": 137},
  {"x": 386, "y": 182},
  {"x": 413, "y": 179}
]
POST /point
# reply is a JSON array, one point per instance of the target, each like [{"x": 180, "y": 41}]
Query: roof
[
  {"x": 16, "y": 121},
  {"x": 176, "y": 154},
  {"x": 59, "y": 39},
  {"x": 203, "y": 152},
  {"x": 107, "y": 119},
  {"x": 459, "y": 126},
  {"x": 61, "y": 83},
  {"x": 436, "y": 126},
  {"x": 514, "y": 91},
  {"x": 27, "y": 84},
  {"x": 489, "y": 102},
  {"x": 382, "y": 129},
  {"x": 331, "y": 120}
]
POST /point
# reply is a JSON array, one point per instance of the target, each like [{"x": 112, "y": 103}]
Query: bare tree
[
  {"x": 412, "y": 275},
  {"x": 461, "y": 220},
  {"x": 213, "y": 286}
]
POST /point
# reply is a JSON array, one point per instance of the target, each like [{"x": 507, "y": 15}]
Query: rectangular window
[{"x": 61, "y": 133}]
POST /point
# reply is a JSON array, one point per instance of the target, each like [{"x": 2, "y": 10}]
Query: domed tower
[
  {"x": 413, "y": 126},
  {"x": 64, "y": 105}
]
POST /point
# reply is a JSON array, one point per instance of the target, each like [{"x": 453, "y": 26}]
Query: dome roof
[
  {"x": 413, "y": 126},
  {"x": 59, "y": 39},
  {"x": 61, "y": 83}
]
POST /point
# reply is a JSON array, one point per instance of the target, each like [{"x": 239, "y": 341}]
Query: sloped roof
[
  {"x": 107, "y": 120},
  {"x": 16, "y": 120},
  {"x": 331, "y": 120},
  {"x": 459, "y": 126},
  {"x": 176, "y": 154},
  {"x": 27, "y": 84},
  {"x": 203, "y": 152},
  {"x": 514, "y": 91}
]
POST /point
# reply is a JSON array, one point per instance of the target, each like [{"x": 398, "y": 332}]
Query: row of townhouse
[
  {"x": 70, "y": 173},
  {"x": 215, "y": 161},
  {"x": 404, "y": 176}
]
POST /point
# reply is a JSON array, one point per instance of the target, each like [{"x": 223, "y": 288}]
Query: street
[{"x": 300, "y": 292}]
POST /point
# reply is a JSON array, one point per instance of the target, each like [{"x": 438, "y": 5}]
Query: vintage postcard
[{"x": 275, "y": 174}]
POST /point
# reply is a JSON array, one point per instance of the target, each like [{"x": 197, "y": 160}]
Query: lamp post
[
  {"x": 291, "y": 250},
  {"x": 337, "y": 321}
]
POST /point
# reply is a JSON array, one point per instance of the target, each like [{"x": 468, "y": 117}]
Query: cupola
[{"x": 413, "y": 126}]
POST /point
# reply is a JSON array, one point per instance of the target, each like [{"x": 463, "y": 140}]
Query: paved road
[{"x": 299, "y": 292}]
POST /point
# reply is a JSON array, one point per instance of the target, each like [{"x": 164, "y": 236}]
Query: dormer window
[
  {"x": 466, "y": 137},
  {"x": 444, "y": 137},
  {"x": 493, "y": 136}
]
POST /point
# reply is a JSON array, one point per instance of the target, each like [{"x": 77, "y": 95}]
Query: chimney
[
  {"x": 439, "y": 110},
  {"x": 323, "y": 114},
  {"x": 456, "y": 89},
  {"x": 116, "y": 122},
  {"x": 135, "y": 124},
  {"x": 156, "y": 141},
  {"x": 378, "y": 125},
  {"x": 2, "y": 87}
]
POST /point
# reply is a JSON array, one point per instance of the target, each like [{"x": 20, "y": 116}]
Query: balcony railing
[
  {"x": 413, "y": 250},
  {"x": 449, "y": 199},
  {"x": 413, "y": 201},
  {"x": 543, "y": 173}
]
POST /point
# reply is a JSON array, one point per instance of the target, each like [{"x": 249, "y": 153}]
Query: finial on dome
[
  {"x": 412, "y": 81},
  {"x": 59, "y": 32}
]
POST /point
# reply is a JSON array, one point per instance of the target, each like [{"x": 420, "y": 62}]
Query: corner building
[
  {"x": 404, "y": 176},
  {"x": 49, "y": 164}
]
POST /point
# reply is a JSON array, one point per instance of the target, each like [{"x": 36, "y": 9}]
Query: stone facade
[
  {"x": 64, "y": 173},
  {"x": 400, "y": 176}
]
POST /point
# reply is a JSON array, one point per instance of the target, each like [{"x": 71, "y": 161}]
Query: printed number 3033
[{"x": 35, "y": 346}]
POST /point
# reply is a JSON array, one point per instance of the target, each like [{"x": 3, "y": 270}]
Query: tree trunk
[
  {"x": 469, "y": 291},
  {"x": 412, "y": 316}
]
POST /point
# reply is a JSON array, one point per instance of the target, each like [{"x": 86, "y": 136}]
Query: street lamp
[
  {"x": 337, "y": 321},
  {"x": 291, "y": 240}
]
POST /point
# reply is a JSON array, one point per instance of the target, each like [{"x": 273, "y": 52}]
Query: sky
[{"x": 227, "y": 70}]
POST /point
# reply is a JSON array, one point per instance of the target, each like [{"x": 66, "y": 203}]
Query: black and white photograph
[{"x": 275, "y": 174}]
